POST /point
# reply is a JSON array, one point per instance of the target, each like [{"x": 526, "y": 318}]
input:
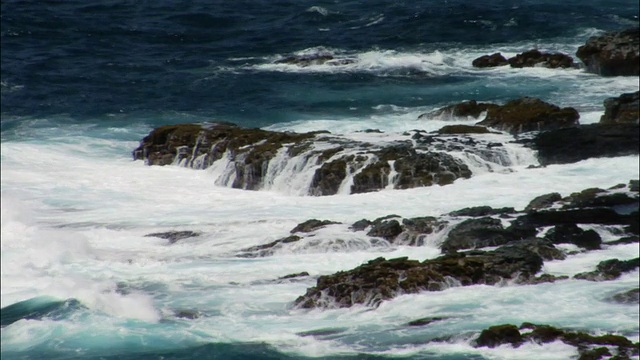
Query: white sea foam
[{"x": 74, "y": 216}]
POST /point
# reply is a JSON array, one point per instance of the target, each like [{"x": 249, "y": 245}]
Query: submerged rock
[
  {"x": 612, "y": 54},
  {"x": 622, "y": 109},
  {"x": 626, "y": 297},
  {"x": 174, "y": 236},
  {"x": 529, "y": 114},
  {"x": 572, "y": 234}
]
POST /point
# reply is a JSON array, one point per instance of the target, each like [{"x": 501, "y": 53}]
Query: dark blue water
[{"x": 90, "y": 59}]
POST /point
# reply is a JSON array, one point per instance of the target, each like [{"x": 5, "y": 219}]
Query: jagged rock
[
  {"x": 510, "y": 334},
  {"x": 492, "y": 60},
  {"x": 478, "y": 211},
  {"x": 569, "y": 145},
  {"x": 529, "y": 114},
  {"x": 328, "y": 178},
  {"x": 174, "y": 236},
  {"x": 627, "y": 297},
  {"x": 596, "y": 197},
  {"x": 622, "y": 109},
  {"x": 381, "y": 279},
  {"x": 572, "y": 234},
  {"x": 545, "y": 278},
  {"x": 499, "y": 335},
  {"x": 464, "y": 109},
  {"x": 311, "y": 225},
  {"x": 267, "y": 249},
  {"x": 535, "y": 57},
  {"x": 609, "y": 270},
  {"x": 543, "y": 201},
  {"x": 463, "y": 129},
  {"x": 482, "y": 232},
  {"x": 604, "y": 216},
  {"x": 413, "y": 169},
  {"x": 415, "y": 229},
  {"x": 612, "y": 54},
  {"x": 360, "y": 225},
  {"x": 296, "y": 275},
  {"x": 198, "y": 146},
  {"x": 542, "y": 247},
  {"x": 386, "y": 229}
]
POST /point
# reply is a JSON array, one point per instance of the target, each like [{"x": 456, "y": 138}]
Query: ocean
[{"x": 84, "y": 81}]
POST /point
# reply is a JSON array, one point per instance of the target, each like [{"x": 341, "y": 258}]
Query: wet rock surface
[
  {"x": 588, "y": 346},
  {"x": 470, "y": 108},
  {"x": 613, "y": 53},
  {"x": 622, "y": 109},
  {"x": 493, "y": 60},
  {"x": 381, "y": 279},
  {"x": 569, "y": 145},
  {"x": 529, "y": 114},
  {"x": 535, "y": 57},
  {"x": 521, "y": 251}
]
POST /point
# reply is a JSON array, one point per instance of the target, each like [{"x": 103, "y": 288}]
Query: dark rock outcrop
[
  {"x": 529, "y": 114},
  {"x": 536, "y": 58},
  {"x": 200, "y": 145},
  {"x": 543, "y": 201},
  {"x": 569, "y": 145},
  {"x": 609, "y": 270},
  {"x": 477, "y": 211},
  {"x": 572, "y": 234},
  {"x": 622, "y": 109},
  {"x": 174, "y": 236},
  {"x": 461, "y": 110},
  {"x": 585, "y": 343},
  {"x": 381, "y": 279},
  {"x": 483, "y": 232},
  {"x": 311, "y": 225},
  {"x": 388, "y": 229},
  {"x": 612, "y": 54},
  {"x": 492, "y": 60},
  {"x": 247, "y": 154},
  {"x": 463, "y": 129}
]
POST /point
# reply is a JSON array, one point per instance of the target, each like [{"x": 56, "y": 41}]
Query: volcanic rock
[
  {"x": 463, "y": 129},
  {"x": 464, "y": 109},
  {"x": 609, "y": 270},
  {"x": 492, "y": 60},
  {"x": 572, "y": 234},
  {"x": 529, "y": 114},
  {"x": 612, "y": 54},
  {"x": 381, "y": 279},
  {"x": 569, "y": 145},
  {"x": 483, "y": 232},
  {"x": 543, "y": 201},
  {"x": 534, "y": 58},
  {"x": 622, "y": 109},
  {"x": 311, "y": 225},
  {"x": 585, "y": 343}
]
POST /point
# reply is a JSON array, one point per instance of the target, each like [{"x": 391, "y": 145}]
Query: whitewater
[{"x": 80, "y": 278}]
